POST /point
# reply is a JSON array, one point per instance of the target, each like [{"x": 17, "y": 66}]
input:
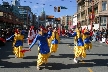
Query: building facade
[
  {"x": 84, "y": 10},
  {"x": 66, "y": 21},
  {"x": 50, "y": 20},
  {"x": 27, "y": 15},
  {"x": 9, "y": 17},
  {"x": 57, "y": 22}
]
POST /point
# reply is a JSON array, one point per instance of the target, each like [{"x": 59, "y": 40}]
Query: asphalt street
[{"x": 62, "y": 61}]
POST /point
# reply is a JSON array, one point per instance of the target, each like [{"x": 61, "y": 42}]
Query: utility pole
[
  {"x": 87, "y": 12},
  {"x": 92, "y": 15}
]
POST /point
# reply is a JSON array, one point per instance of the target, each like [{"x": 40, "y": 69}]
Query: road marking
[{"x": 89, "y": 69}]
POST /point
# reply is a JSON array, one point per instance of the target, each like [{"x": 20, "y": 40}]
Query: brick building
[{"x": 8, "y": 18}]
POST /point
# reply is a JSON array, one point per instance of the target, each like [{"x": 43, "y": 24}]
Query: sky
[{"x": 49, "y": 10}]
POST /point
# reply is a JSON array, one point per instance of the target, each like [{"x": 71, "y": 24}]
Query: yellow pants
[
  {"x": 42, "y": 58},
  {"x": 79, "y": 51},
  {"x": 53, "y": 48},
  {"x": 17, "y": 52},
  {"x": 88, "y": 46}
]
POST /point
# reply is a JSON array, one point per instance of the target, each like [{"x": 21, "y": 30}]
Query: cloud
[{"x": 35, "y": 7}]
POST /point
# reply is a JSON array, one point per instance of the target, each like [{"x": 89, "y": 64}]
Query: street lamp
[{"x": 38, "y": 20}]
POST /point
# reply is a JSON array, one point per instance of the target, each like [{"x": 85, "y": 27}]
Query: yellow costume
[
  {"x": 14, "y": 39},
  {"x": 54, "y": 42},
  {"x": 79, "y": 49},
  {"x": 86, "y": 39},
  {"x": 42, "y": 58},
  {"x": 49, "y": 37},
  {"x": 49, "y": 42},
  {"x": 17, "y": 44}
]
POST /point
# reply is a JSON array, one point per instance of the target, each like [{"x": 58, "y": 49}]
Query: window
[
  {"x": 10, "y": 17},
  {"x": 103, "y": 21},
  {"x": 104, "y": 5}
]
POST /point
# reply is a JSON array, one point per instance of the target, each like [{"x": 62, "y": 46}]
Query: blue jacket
[{"x": 43, "y": 43}]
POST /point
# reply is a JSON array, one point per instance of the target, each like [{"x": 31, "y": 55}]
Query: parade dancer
[
  {"x": 49, "y": 34},
  {"x": 30, "y": 36},
  {"x": 44, "y": 50},
  {"x": 18, "y": 43},
  {"x": 86, "y": 39},
  {"x": 54, "y": 41},
  {"x": 79, "y": 49},
  {"x": 33, "y": 32}
]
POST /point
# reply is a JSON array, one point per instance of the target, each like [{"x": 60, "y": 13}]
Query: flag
[
  {"x": 23, "y": 51},
  {"x": 62, "y": 7}
]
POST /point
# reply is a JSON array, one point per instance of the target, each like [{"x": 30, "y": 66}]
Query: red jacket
[{"x": 91, "y": 33}]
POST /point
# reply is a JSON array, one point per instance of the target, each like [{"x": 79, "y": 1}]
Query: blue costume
[
  {"x": 44, "y": 50},
  {"x": 43, "y": 43},
  {"x": 86, "y": 39},
  {"x": 79, "y": 40},
  {"x": 50, "y": 33}
]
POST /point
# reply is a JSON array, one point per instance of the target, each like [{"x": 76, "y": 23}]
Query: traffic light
[{"x": 58, "y": 9}]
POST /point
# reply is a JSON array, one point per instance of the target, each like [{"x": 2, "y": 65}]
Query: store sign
[{"x": 1, "y": 13}]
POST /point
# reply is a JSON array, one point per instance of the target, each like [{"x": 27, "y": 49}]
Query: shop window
[
  {"x": 104, "y": 5},
  {"x": 103, "y": 21}
]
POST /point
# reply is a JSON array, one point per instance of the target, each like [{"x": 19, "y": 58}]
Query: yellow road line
[
  {"x": 82, "y": 61},
  {"x": 89, "y": 69}
]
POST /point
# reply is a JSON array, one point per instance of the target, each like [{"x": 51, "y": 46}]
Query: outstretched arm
[
  {"x": 73, "y": 34},
  {"x": 34, "y": 41},
  {"x": 10, "y": 37}
]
